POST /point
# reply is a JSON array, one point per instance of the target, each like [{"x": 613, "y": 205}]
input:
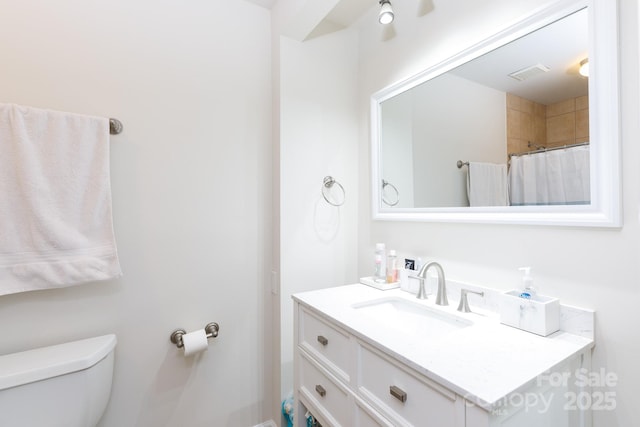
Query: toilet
[{"x": 65, "y": 385}]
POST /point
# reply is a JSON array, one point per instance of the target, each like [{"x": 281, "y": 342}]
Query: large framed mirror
[{"x": 508, "y": 131}]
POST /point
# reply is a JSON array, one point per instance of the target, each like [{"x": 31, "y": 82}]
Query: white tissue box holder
[{"x": 539, "y": 314}]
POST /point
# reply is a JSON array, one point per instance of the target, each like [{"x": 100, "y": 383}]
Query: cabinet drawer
[
  {"x": 326, "y": 342},
  {"x": 365, "y": 416},
  {"x": 403, "y": 395},
  {"x": 330, "y": 399}
]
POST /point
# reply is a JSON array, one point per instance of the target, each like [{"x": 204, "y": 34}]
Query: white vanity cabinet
[
  {"x": 346, "y": 378},
  {"x": 402, "y": 395},
  {"x": 345, "y": 382}
]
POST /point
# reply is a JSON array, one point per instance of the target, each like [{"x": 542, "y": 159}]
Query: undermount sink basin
[{"x": 411, "y": 317}]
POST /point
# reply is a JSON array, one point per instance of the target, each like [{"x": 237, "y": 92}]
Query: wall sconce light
[
  {"x": 584, "y": 67},
  {"x": 386, "y": 12}
]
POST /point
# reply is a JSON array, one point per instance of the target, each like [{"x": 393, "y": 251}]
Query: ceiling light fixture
[
  {"x": 584, "y": 67},
  {"x": 386, "y": 12}
]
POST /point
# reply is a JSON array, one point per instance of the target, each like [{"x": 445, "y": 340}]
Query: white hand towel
[
  {"x": 487, "y": 184},
  {"x": 55, "y": 200}
]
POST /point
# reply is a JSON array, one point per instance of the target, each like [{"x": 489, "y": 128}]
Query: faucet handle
[
  {"x": 422, "y": 293},
  {"x": 464, "y": 303}
]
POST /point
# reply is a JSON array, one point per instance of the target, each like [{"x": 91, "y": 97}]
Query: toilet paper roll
[{"x": 195, "y": 342}]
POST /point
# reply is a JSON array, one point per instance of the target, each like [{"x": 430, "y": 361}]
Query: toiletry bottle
[
  {"x": 528, "y": 291},
  {"x": 392, "y": 267},
  {"x": 379, "y": 274},
  {"x": 380, "y": 251}
]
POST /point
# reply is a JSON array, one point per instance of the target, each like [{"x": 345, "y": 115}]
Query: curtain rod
[{"x": 544, "y": 149}]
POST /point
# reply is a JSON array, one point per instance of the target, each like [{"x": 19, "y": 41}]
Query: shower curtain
[{"x": 557, "y": 177}]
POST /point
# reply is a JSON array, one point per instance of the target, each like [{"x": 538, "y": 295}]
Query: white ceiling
[
  {"x": 268, "y": 4},
  {"x": 560, "y": 46},
  {"x": 347, "y": 12},
  {"x": 344, "y": 14}
]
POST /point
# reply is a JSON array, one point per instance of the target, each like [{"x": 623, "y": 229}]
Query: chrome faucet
[
  {"x": 441, "y": 296},
  {"x": 464, "y": 302}
]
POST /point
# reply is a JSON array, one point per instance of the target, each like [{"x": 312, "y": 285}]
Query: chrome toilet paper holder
[{"x": 211, "y": 329}]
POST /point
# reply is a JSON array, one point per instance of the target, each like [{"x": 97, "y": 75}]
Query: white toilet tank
[{"x": 65, "y": 385}]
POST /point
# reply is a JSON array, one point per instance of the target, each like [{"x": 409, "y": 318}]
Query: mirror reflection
[{"x": 510, "y": 127}]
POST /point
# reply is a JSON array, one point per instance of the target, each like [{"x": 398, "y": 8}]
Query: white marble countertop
[{"x": 484, "y": 363}]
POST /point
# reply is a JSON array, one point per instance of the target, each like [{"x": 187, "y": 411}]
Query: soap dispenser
[{"x": 528, "y": 291}]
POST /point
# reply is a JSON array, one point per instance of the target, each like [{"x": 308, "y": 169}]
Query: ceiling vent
[{"x": 527, "y": 73}]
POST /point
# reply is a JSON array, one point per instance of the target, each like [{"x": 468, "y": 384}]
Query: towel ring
[
  {"x": 388, "y": 184},
  {"x": 327, "y": 183}
]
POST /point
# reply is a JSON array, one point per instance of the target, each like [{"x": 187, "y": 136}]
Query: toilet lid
[{"x": 47, "y": 362}]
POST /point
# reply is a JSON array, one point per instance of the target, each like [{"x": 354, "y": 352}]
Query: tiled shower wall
[{"x": 563, "y": 123}]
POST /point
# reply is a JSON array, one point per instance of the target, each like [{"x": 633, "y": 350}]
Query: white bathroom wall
[
  {"x": 453, "y": 115},
  {"x": 593, "y": 268},
  {"x": 397, "y": 148},
  {"x": 318, "y": 137},
  {"x": 191, "y": 180}
]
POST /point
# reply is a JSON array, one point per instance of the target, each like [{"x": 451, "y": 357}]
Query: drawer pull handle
[
  {"x": 398, "y": 393},
  {"x": 322, "y": 340},
  {"x": 321, "y": 391}
]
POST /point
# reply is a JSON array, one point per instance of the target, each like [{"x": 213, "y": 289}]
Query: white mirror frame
[{"x": 605, "y": 209}]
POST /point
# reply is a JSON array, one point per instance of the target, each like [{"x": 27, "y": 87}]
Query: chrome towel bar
[{"x": 115, "y": 126}]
